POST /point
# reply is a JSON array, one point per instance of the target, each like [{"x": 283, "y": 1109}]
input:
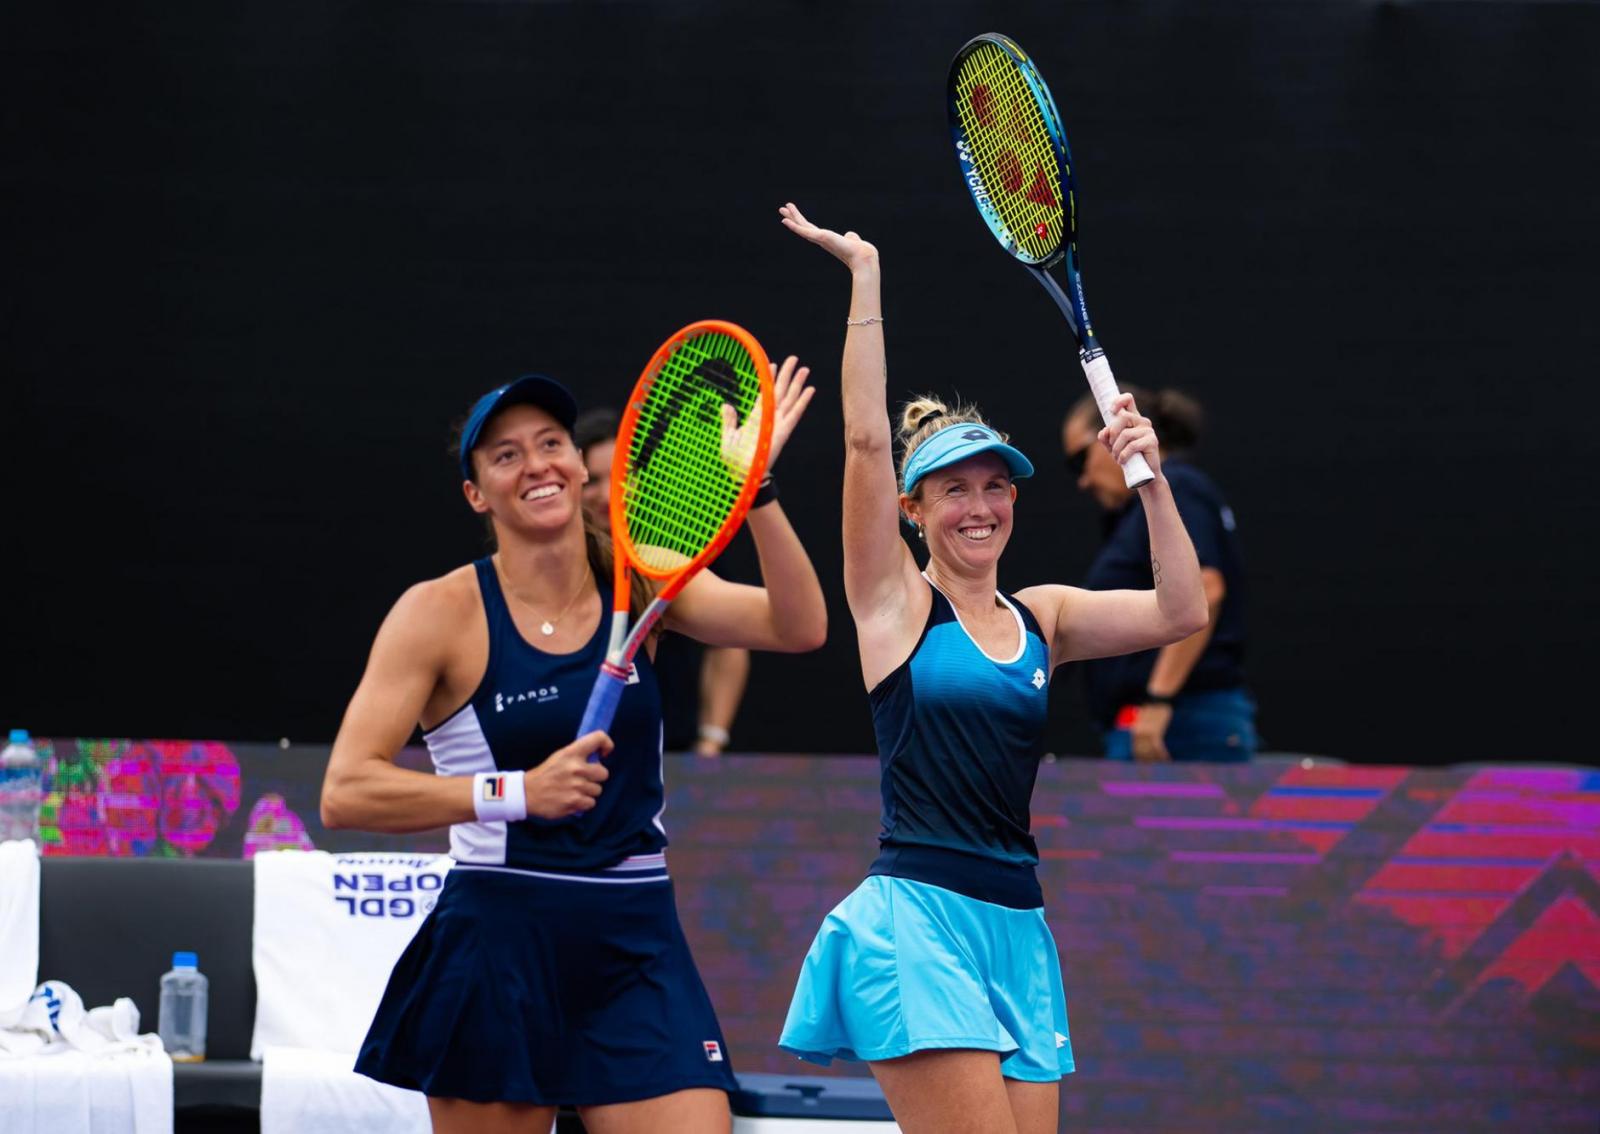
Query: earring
[{"x": 921, "y": 534}]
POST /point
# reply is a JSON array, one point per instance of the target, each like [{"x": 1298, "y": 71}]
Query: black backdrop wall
[{"x": 259, "y": 255}]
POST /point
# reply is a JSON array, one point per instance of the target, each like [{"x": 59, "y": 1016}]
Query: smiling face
[
  {"x": 528, "y": 473},
  {"x": 965, "y": 512}
]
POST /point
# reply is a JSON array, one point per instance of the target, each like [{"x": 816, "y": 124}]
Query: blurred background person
[
  {"x": 701, "y": 686},
  {"x": 1186, "y": 701}
]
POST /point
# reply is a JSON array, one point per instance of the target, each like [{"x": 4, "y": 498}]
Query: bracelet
[
  {"x": 1158, "y": 698},
  {"x": 867, "y": 322},
  {"x": 714, "y": 733},
  {"x": 499, "y": 797},
  {"x": 766, "y": 494}
]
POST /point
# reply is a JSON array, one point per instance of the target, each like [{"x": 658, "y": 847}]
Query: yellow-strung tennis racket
[{"x": 1015, "y": 162}]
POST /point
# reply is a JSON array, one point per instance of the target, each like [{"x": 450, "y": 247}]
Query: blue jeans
[{"x": 1219, "y": 726}]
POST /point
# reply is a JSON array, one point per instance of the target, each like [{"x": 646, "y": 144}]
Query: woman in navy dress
[{"x": 552, "y": 970}]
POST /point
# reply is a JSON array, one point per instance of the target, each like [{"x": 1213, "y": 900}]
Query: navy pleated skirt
[{"x": 531, "y": 989}]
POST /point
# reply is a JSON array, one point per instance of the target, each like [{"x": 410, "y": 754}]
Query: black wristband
[
  {"x": 767, "y": 493},
  {"x": 1157, "y": 698}
]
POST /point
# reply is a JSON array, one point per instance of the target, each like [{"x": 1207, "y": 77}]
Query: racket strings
[
  {"x": 1012, "y": 148},
  {"x": 679, "y": 489}
]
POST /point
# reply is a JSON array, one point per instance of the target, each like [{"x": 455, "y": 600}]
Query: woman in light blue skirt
[{"x": 939, "y": 970}]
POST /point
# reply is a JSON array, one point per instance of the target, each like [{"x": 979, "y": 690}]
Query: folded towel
[
  {"x": 328, "y": 929},
  {"x": 313, "y": 1091},
  {"x": 19, "y": 927},
  {"x": 71, "y": 1071}
]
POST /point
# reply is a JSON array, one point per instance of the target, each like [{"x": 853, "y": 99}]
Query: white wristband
[
  {"x": 499, "y": 797},
  {"x": 714, "y": 733}
]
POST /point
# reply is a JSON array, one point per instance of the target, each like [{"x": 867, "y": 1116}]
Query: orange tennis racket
[{"x": 691, "y": 452}]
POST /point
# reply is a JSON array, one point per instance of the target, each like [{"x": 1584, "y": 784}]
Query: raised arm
[
  {"x": 787, "y": 612},
  {"x": 1097, "y": 624},
  {"x": 879, "y": 572},
  {"x": 364, "y": 789}
]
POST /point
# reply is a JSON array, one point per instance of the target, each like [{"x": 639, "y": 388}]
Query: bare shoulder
[
  {"x": 1047, "y": 602},
  {"x": 432, "y": 609}
]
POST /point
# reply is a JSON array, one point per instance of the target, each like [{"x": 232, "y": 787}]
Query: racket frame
[
  {"x": 624, "y": 641},
  {"x": 1091, "y": 355}
]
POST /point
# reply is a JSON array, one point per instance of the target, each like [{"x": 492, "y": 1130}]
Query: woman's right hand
[
  {"x": 568, "y": 782},
  {"x": 855, "y": 253}
]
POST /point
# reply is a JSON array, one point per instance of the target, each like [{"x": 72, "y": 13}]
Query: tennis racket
[
  {"x": 1015, "y": 162},
  {"x": 681, "y": 481}
]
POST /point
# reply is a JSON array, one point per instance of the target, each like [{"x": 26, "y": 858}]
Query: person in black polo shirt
[{"x": 1186, "y": 701}]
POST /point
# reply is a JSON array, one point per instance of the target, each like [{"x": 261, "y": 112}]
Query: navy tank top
[
  {"x": 960, "y": 734},
  {"x": 529, "y": 704}
]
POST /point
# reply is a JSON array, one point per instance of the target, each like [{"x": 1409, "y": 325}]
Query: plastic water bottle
[
  {"x": 182, "y": 1019},
  {"x": 21, "y": 788}
]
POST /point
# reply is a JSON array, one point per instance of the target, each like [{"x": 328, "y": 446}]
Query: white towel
[
  {"x": 19, "y": 927},
  {"x": 68, "y": 1071},
  {"x": 328, "y": 929},
  {"x": 312, "y": 1091},
  {"x": 71, "y": 1092}
]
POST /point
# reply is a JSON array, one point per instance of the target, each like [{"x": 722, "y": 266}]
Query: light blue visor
[{"x": 955, "y": 443}]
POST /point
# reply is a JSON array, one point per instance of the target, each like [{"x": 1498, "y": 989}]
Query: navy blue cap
[{"x": 531, "y": 389}]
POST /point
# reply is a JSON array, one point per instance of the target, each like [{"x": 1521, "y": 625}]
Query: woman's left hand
[
  {"x": 790, "y": 397},
  {"x": 1130, "y": 433}
]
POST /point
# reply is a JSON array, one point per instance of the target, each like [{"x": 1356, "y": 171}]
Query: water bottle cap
[
  {"x": 19, "y": 736},
  {"x": 185, "y": 960}
]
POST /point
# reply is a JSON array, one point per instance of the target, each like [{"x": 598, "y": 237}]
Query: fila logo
[
  {"x": 633, "y": 674},
  {"x": 1038, "y": 679},
  {"x": 713, "y": 1051},
  {"x": 494, "y": 789}
]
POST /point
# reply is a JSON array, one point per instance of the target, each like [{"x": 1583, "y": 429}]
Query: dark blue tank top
[
  {"x": 959, "y": 739},
  {"x": 529, "y": 704}
]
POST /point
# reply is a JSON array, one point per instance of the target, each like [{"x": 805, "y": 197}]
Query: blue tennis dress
[
  {"x": 945, "y": 945},
  {"x": 553, "y": 968}
]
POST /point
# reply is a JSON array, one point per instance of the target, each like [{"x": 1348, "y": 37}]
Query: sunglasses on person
[{"x": 1077, "y": 459}]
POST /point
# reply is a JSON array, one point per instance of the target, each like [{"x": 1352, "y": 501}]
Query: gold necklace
[{"x": 548, "y": 626}]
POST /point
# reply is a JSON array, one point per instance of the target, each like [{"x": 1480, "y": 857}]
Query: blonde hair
[{"x": 925, "y": 416}]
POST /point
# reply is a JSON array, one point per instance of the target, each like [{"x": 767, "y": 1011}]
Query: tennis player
[
  {"x": 939, "y": 970},
  {"x": 553, "y": 970}
]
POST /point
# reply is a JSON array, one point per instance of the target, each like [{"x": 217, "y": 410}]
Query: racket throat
[{"x": 636, "y": 637}]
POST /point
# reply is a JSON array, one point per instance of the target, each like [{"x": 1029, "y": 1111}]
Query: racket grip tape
[
  {"x": 1136, "y": 470},
  {"x": 603, "y": 699}
]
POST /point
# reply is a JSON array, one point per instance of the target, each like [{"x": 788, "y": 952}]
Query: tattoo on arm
[{"x": 1155, "y": 569}]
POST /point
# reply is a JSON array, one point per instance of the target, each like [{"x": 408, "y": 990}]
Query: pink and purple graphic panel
[{"x": 1284, "y": 946}]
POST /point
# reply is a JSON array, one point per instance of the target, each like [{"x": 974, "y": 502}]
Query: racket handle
[
  {"x": 603, "y": 698},
  {"x": 1136, "y": 470}
]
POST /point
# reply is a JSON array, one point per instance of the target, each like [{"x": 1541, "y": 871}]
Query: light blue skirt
[{"x": 902, "y": 966}]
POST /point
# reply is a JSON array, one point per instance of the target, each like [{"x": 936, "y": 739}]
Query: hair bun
[{"x": 918, "y": 413}]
